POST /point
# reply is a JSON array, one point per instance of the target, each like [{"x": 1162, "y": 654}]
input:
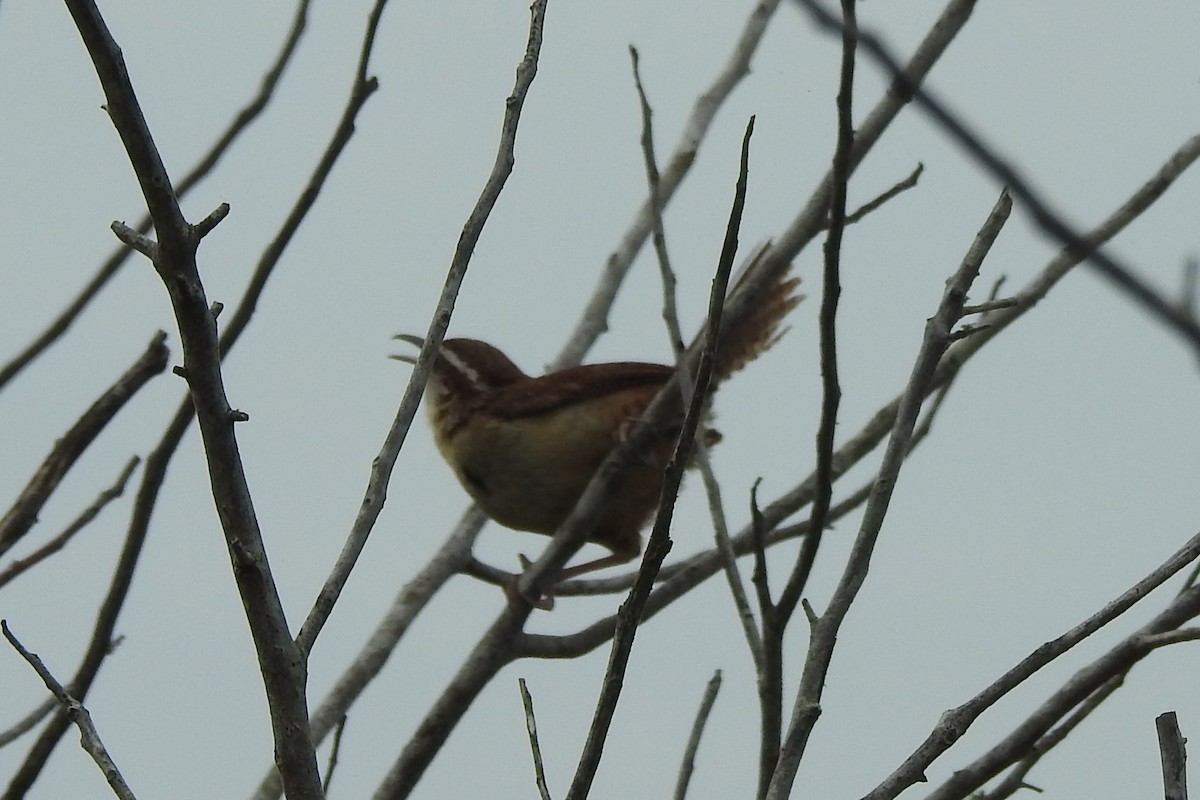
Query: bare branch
[
  {"x": 1082, "y": 684},
  {"x": 207, "y": 162},
  {"x": 334, "y": 751},
  {"x": 89, "y": 738},
  {"x": 206, "y": 226},
  {"x": 1015, "y": 781},
  {"x": 24, "y": 512},
  {"x": 955, "y": 722},
  {"x": 494, "y": 648},
  {"x": 871, "y": 205},
  {"x": 531, "y": 729},
  {"x": 281, "y": 664},
  {"x": 831, "y": 288},
  {"x": 693, "y": 744},
  {"x": 385, "y": 462},
  {"x": 824, "y": 636},
  {"x": 1174, "y": 756},
  {"x": 777, "y": 615},
  {"x": 56, "y": 544},
  {"x": 659, "y": 543},
  {"x": 675, "y": 333},
  {"x": 367, "y": 663},
  {"x": 135, "y": 239},
  {"x": 594, "y": 319},
  {"x": 101, "y": 642},
  {"x": 1051, "y": 223},
  {"x": 28, "y": 722},
  {"x": 1188, "y": 290},
  {"x": 159, "y": 459}
]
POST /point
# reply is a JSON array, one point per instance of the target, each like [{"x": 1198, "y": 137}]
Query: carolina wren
[{"x": 526, "y": 447}]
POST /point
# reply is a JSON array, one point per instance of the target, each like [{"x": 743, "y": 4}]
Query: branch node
[
  {"x": 991, "y": 305},
  {"x": 205, "y": 226},
  {"x": 143, "y": 244},
  {"x": 809, "y": 613},
  {"x": 967, "y": 330}
]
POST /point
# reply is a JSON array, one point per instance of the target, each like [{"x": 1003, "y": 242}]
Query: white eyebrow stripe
[{"x": 463, "y": 368}]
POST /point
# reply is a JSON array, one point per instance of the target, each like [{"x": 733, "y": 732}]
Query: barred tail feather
[{"x": 759, "y": 331}]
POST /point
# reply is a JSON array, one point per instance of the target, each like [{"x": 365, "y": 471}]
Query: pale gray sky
[{"x": 1063, "y": 468}]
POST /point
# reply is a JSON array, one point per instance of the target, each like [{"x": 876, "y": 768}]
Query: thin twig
[
  {"x": 866, "y": 208},
  {"x": 693, "y": 744},
  {"x": 27, "y": 722},
  {"x": 675, "y": 334},
  {"x": 376, "y": 492},
  {"x": 831, "y": 290},
  {"x": 71, "y": 445},
  {"x": 777, "y": 615},
  {"x": 594, "y": 319},
  {"x": 239, "y": 124},
  {"x": 335, "y": 750},
  {"x": 955, "y": 722},
  {"x": 1085, "y": 682},
  {"x": 1015, "y": 780},
  {"x": 938, "y": 330},
  {"x": 539, "y": 770},
  {"x": 89, "y": 737},
  {"x": 20, "y": 565},
  {"x": 659, "y": 543},
  {"x": 491, "y": 652},
  {"x": 1120, "y": 275}
]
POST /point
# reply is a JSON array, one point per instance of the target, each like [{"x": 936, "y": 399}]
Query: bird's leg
[{"x": 546, "y": 601}]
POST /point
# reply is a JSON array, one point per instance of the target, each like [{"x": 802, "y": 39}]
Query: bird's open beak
[{"x": 415, "y": 341}]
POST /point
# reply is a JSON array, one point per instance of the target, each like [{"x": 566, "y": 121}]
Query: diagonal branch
[
  {"x": 56, "y": 544},
  {"x": 938, "y": 335},
  {"x": 1117, "y": 661},
  {"x": 385, "y": 462},
  {"x": 89, "y": 737},
  {"x": 594, "y": 319},
  {"x": 1049, "y": 221},
  {"x": 67, "y": 450},
  {"x": 955, "y": 722},
  {"x": 241, "y": 121}
]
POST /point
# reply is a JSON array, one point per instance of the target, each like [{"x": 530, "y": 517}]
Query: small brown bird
[{"x": 526, "y": 447}]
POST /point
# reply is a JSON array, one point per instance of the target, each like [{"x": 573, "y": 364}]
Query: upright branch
[
  {"x": 174, "y": 258},
  {"x": 831, "y": 290},
  {"x": 593, "y": 321},
  {"x": 381, "y": 471},
  {"x": 776, "y": 615},
  {"x": 675, "y": 333},
  {"x": 939, "y": 334},
  {"x": 659, "y": 543}
]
